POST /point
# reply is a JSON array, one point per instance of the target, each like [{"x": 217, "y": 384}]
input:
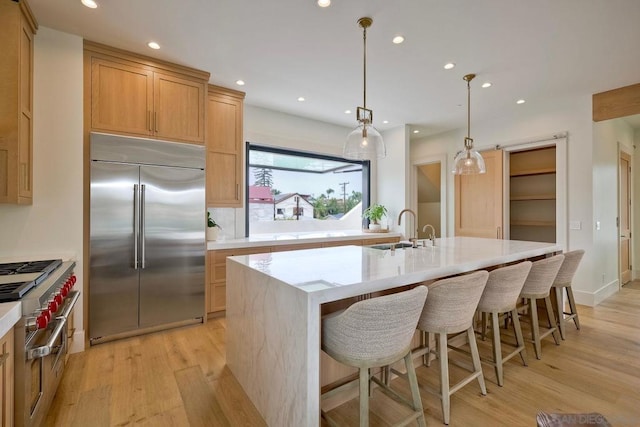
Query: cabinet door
[
  {"x": 25, "y": 155},
  {"x": 224, "y": 151},
  {"x": 178, "y": 108},
  {"x": 478, "y": 200},
  {"x": 6, "y": 379},
  {"x": 121, "y": 97}
]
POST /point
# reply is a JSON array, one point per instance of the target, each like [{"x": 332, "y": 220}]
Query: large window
[{"x": 291, "y": 191}]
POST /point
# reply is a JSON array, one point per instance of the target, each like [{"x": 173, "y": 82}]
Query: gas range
[
  {"x": 18, "y": 278},
  {"x": 41, "y": 336}
]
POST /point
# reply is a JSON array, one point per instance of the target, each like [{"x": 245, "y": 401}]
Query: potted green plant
[
  {"x": 374, "y": 214},
  {"x": 212, "y": 227}
]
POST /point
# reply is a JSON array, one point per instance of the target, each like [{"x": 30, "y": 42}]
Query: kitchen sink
[{"x": 389, "y": 245}]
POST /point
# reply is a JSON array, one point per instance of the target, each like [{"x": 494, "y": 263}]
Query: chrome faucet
[
  {"x": 432, "y": 235},
  {"x": 414, "y": 239}
]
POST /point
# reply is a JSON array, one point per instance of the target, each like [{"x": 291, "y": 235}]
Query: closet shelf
[
  {"x": 533, "y": 223},
  {"x": 534, "y": 197},
  {"x": 527, "y": 172}
]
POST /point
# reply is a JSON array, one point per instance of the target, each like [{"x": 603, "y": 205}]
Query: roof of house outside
[{"x": 260, "y": 194}]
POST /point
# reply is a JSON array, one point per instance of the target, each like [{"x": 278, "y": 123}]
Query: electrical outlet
[
  {"x": 597, "y": 225},
  {"x": 575, "y": 225}
]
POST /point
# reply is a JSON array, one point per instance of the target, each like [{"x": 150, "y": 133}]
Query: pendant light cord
[
  {"x": 364, "y": 90},
  {"x": 468, "y": 108}
]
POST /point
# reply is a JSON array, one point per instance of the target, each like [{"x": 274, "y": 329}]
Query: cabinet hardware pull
[
  {"x": 237, "y": 191},
  {"x": 149, "y": 121},
  {"x": 4, "y": 358},
  {"x": 155, "y": 119},
  {"x": 498, "y": 233}
]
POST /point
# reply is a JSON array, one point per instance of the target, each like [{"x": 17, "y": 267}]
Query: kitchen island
[{"x": 274, "y": 305}]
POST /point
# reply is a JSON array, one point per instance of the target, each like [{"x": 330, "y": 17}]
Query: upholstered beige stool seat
[
  {"x": 374, "y": 333},
  {"x": 538, "y": 286},
  {"x": 501, "y": 296},
  {"x": 449, "y": 309},
  {"x": 563, "y": 281}
]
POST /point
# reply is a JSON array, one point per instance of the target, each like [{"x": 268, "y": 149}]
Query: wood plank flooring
[{"x": 179, "y": 378}]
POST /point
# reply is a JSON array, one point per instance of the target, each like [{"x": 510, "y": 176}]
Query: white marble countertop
[
  {"x": 295, "y": 238},
  {"x": 10, "y": 313},
  {"x": 339, "y": 272}
]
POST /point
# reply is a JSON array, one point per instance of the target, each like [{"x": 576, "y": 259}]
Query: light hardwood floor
[{"x": 179, "y": 378}]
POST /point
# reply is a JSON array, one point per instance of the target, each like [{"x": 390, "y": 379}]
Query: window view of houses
[{"x": 302, "y": 194}]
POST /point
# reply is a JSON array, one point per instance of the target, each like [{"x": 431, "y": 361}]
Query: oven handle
[{"x": 61, "y": 322}]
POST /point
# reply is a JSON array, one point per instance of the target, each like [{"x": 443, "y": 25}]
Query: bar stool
[
  {"x": 537, "y": 286},
  {"x": 563, "y": 280},
  {"x": 449, "y": 309},
  {"x": 373, "y": 333},
  {"x": 501, "y": 296}
]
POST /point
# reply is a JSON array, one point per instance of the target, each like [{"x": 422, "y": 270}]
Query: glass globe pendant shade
[
  {"x": 364, "y": 143},
  {"x": 468, "y": 162}
]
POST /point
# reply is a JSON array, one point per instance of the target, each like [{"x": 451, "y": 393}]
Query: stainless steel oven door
[{"x": 45, "y": 357}]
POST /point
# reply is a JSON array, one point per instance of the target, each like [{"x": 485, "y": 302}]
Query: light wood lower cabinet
[
  {"x": 217, "y": 264},
  {"x": 6, "y": 379},
  {"x": 217, "y": 267}
]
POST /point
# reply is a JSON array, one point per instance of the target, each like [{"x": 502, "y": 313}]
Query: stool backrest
[
  {"x": 568, "y": 268},
  {"x": 541, "y": 277},
  {"x": 376, "y": 328},
  {"x": 503, "y": 288},
  {"x": 452, "y": 302}
]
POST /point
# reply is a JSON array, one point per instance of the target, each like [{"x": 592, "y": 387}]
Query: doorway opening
[
  {"x": 429, "y": 198},
  {"x": 624, "y": 215}
]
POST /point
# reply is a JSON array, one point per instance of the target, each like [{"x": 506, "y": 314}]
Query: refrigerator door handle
[
  {"x": 136, "y": 225},
  {"x": 142, "y": 226}
]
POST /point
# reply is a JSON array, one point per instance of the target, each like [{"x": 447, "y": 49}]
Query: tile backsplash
[{"x": 226, "y": 218}]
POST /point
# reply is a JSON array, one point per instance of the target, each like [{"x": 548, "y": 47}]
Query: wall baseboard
[
  {"x": 592, "y": 299},
  {"x": 78, "y": 342}
]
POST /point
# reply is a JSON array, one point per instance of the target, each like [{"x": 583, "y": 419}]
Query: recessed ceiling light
[
  {"x": 240, "y": 82},
  {"x": 486, "y": 84},
  {"x": 90, "y": 4},
  {"x": 347, "y": 111},
  {"x": 398, "y": 39},
  {"x": 153, "y": 45},
  {"x": 416, "y": 131},
  {"x": 324, "y": 3},
  {"x": 301, "y": 99},
  {"x": 385, "y": 121},
  {"x": 520, "y": 101},
  {"x": 449, "y": 66}
]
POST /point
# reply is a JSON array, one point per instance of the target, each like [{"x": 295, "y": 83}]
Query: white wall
[
  {"x": 571, "y": 115},
  {"x": 607, "y": 136},
  {"x": 52, "y": 226},
  {"x": 392, "y": 180}
]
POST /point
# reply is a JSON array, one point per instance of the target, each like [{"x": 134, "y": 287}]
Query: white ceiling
[{"x": 542, "y": 51}]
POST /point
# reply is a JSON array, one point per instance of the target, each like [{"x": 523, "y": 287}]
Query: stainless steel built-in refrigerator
[{"x": 147, "y": 248}]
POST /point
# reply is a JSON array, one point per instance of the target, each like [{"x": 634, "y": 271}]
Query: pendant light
[
  {"x": 468, "y": 161},
  {"x": 365, "y": 142}
]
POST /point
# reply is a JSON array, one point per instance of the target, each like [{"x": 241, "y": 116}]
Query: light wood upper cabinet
[
  {"x": 478, "y": 200},
  {"x": 224, "y": 147},
  {"x": 140, "y": 96},
  {"x": 121, "y": 97},
  {"x": 17, "y": 30}
]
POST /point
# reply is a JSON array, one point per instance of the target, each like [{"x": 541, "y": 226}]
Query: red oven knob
[
  {"x": 47, "y": 314},
  {"x": 53, "y": 306},
  {"x": 58, "y": 299},
  {"x": 64, "y": 291},
  {"x": 42, "y": 321},
  {"x": 73, "y": 280}
]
